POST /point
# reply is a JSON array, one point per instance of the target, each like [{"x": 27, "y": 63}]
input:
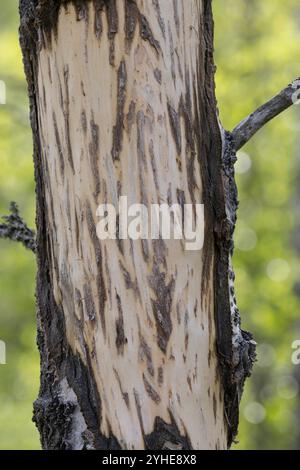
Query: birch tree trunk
[{"x": 140, "y": 341}]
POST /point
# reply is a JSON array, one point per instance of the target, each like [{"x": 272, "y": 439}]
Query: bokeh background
[{"x": 257, "y": 54}]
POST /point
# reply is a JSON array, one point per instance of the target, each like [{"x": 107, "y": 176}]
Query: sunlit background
[{"x": 257, "y": 54}]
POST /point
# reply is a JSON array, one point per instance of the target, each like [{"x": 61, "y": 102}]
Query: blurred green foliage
[
  {"x": 20, "y": 376},
  {"x": 257, "y": 55}
]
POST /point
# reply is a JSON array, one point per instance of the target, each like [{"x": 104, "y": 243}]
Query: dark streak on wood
[
  {"x": 151, "y": 392},
  {"x": 79, "y": 305},
  {"x": 89, "y": 302},
  {"x": 160, "y": 19},
  {"x": 83, "y": 121},
  {"x": 66, "y": 118},
  {"x": 139, "y": 411},
  {"x": 141, "y": 149},
  {"x": 59, "y": 147},
  {"x": 146, "y": 354},
  {"x": 112, "y": 18},
  {"x": 131, "y": 117},
  {"x": 113, "y": 24},
  {"x": 215, "y": 408},
  {"x": 49, "y": 71},
  {"x": 158, "y": 76},
  {"x": 118, "y": 129},
  {"x": 153, "y": 165},
  {"x": 94, "y": 156},
  {"x": 124, "y": 394},
  {"x": 131, "y": 18},
  {"x": 175, "y": 127},
  {"x": 160, "y": 376},
  {"x": 98, "y": 25},
  {"x": 172, "y": 54},
  {"x": 147, "y": 34},
  {"x": 121, "y": 339},
  {"x": 161, "y": 305},
  {"x": 81, "y": 11},
  {"x": 176, "y": 16},
  {"x": 98, "y": 255}
]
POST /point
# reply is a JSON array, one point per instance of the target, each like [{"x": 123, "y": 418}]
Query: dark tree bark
[{"x": 140, "y": 343}]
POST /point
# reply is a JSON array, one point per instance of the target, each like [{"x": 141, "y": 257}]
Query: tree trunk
[{"x": 140, "y": 341}]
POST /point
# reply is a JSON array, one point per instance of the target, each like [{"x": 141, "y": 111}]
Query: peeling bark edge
[
  {"x": 237, "y": 354},
  {"x": 235, "y": 348},
  {"x": 54, "y": 412}
]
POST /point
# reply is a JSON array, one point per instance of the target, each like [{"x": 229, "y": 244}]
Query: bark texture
[{"x": 140, "y": 342}]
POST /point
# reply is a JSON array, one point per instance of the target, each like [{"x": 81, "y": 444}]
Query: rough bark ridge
[{"x": 122, "y": 102}]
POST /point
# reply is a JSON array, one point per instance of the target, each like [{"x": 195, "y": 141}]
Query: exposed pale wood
[{"x": 136, "y": 310}]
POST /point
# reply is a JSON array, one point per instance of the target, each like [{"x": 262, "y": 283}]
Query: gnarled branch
[
  {"x": 255, "y": 121},
  {"x": 14, "y": 228}
]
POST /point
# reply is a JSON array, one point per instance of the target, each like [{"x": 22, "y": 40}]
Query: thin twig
[
  {"x": 255, "y": 121},
  {"x": 14, "y": 228}
]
